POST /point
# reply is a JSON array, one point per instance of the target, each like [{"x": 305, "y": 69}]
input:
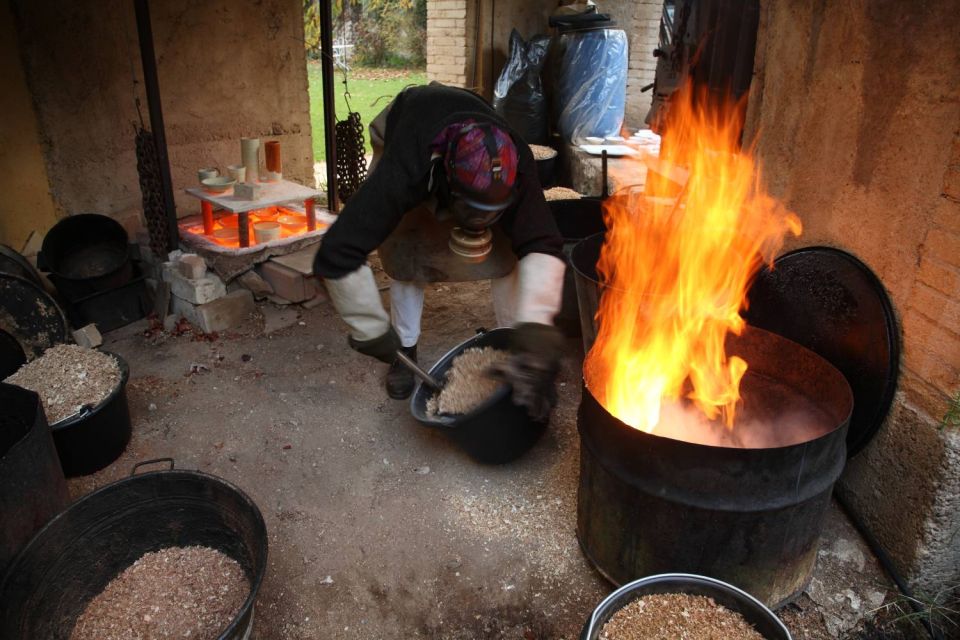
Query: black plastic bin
[
  {"x": 90, "y": 440},
  {"x": 80, "y": 551},
  {"x": 86, "y": 253},
  {"x": 763, "y": 620},
  {"x": 547, "y": 171},
  {"x": 496, "y": 432},
  {"x": 576, "y": 220},
  {"x": 32, "y": 487},
  {"x": 583, "y": 261}
]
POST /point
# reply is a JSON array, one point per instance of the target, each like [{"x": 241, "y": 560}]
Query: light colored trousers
[{"x": 406, "y": 305}]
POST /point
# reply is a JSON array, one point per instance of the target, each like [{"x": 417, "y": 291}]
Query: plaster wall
[
  {"x": 856, "y": 110},
  {"x": 226, "y": 70},
  {"x": 26, "y": 204}
]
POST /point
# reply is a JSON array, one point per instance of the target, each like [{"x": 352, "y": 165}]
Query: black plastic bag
[{"x": 518, "y": 94}]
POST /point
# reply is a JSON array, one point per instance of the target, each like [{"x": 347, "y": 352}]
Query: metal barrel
[{"x": 752, "y": 517}]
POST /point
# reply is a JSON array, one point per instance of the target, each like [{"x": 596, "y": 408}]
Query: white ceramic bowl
[
  {"x": 292, "y": 222},
  {"x": 229, "y": 221},
  {"x": 219, "y": 184},
  {"x": 227, "y": 235}
]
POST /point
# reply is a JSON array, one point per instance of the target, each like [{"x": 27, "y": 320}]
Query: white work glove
[
  {"x": 540, "y": 288},
  {"x": 357, "y": 300},
  {"x": 536, "y": 344}
]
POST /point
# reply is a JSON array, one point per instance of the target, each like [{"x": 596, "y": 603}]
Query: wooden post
[
  {"x": 329, "y": 109},
  {"x": 152, "y": 88}
]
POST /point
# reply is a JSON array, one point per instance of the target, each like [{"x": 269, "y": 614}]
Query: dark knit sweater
[{"x": 399, "y": 182}]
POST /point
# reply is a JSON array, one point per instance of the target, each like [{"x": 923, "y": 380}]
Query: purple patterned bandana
[{"x": 468, "y": 160}]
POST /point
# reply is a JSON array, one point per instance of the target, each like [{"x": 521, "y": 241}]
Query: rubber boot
[{"x": 400, "y": 381}]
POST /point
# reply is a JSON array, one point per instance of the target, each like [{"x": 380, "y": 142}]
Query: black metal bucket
[
  {"x": 576, "y": 220},
  {"x": 547, "y": 170},
  {"x": 583, "y": 260},
  {"x": 85, "y": 254},
  {"x": 75, "y": 556},
  {"x": 650, "y": 504},
  {"x": 496, "y": 432},
  {"x": 96, "y": 436},
  {"x": 753, "y": 611},
  {"x": 32, "y": 487}
]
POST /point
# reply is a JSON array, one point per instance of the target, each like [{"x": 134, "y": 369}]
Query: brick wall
[
  {"x": 932, "y": 312},
  {"x": 878, "y": 175},
  {"x": 447, "y": 41},
  {"x": 644, "y": 35}
]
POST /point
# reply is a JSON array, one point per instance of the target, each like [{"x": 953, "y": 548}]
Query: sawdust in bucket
[
  {"x": 542, "y": 152},
  {"x": 667, "y": 616},
  {"x": 177, "y": 592},
  {"x": 561, "y": 193},
  {"x": 68, "y": 377},
  {"x": 467, "y": 385}
]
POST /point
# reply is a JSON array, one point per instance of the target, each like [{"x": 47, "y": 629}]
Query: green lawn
[{"x": 366, "y": 86}]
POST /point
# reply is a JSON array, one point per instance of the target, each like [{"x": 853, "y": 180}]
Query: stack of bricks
[
  {"x": 447, "y": 41},
  {"x": 201, "y": 297}
]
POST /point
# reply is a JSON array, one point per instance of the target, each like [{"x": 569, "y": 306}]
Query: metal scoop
[{"x": 415, "y": 369}]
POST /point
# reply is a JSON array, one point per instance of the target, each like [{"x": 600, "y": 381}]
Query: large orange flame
[{"x": 676, "y": 265}]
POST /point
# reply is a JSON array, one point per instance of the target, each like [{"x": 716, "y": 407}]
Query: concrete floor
[{"x": 379, "y": 527}]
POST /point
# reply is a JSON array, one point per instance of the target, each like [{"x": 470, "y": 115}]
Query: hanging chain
[
  {"x": 351, "y": 161},
  {"x": 153, "y": 210}
]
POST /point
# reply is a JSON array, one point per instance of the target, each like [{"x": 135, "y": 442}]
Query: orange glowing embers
[
  {"x": 225, "y": 233},
  {"x": 676, "y": 267}
]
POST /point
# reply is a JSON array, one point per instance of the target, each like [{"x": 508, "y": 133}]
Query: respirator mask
[{"x": 479, "y": 185}]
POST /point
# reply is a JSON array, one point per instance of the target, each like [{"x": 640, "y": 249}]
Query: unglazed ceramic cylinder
[
  {"x": 238, "y": 172},
  {"x": 266, "y": 231},
  {"x": 271, "y": 151},
  {"x": 250, "y": 157}
]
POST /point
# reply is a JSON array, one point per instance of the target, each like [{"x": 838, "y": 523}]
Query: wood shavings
[
  {"x": 69, "y": 377},
  {"x": 177, "y": 592},
  {"x": 673, "y": 616},
  {"x": 467, "y": 385},
  {"x": 542, "y": 152},
  {"x": 561, "y": 193}
]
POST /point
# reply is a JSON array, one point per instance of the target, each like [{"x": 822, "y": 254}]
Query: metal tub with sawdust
[
  {"x": 76, "y": 555},
  {"x": 753, "y": 611}
]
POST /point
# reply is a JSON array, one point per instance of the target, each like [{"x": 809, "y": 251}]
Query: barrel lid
[
  {"x": 31, "y": 316},
  {"x": 833, "y": 304},
  {"x": 14, "y": 263}
]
